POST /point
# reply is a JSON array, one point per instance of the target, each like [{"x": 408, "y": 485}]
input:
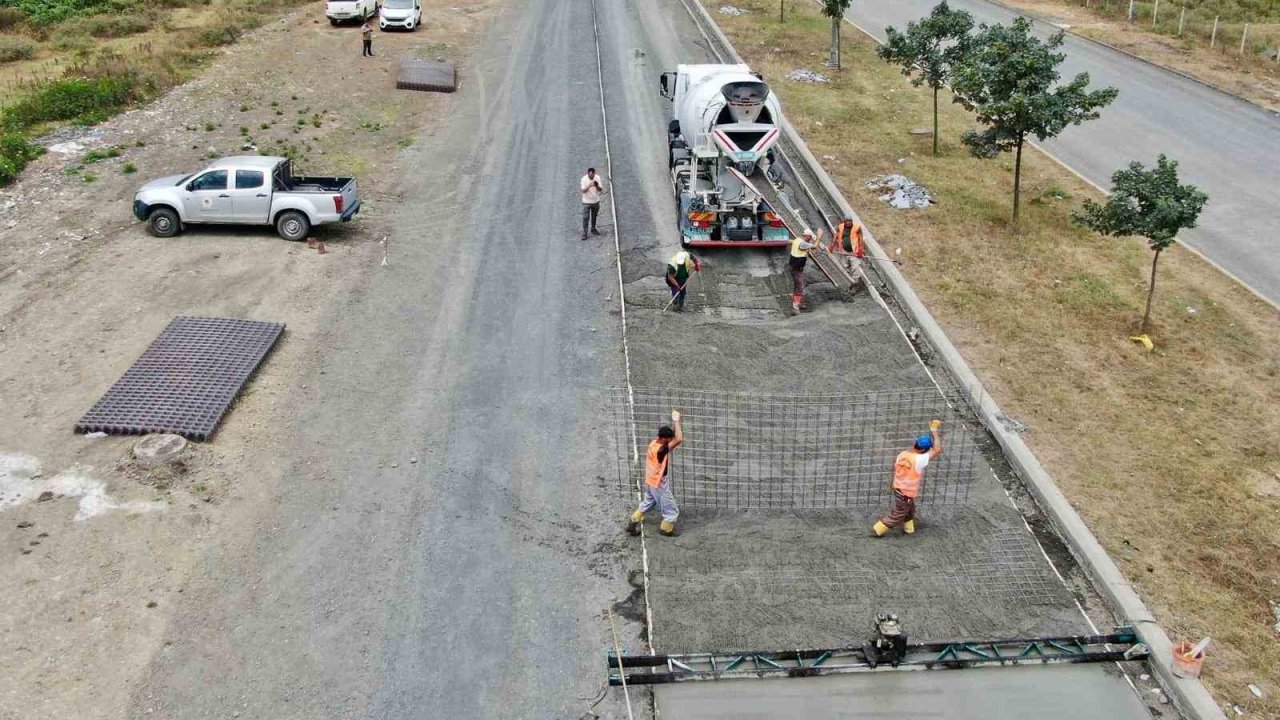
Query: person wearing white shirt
[{"x": 592, "y": 188}]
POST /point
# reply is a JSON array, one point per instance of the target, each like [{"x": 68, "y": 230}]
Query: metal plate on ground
[
  {"x": 186, "y": 380},
  {"x": 427, "y": 76}
]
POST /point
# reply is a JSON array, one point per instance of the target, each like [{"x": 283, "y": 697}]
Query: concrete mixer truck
[{"x": 724, "y": 124}]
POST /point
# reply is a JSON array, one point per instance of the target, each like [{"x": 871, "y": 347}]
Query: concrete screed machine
[{"x": 720, "y": 149}]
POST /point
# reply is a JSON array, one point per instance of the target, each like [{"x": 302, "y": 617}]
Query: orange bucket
[{"x": 1184, "y": 663}]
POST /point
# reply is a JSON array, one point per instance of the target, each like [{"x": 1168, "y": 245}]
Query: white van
[
  {"x": 405, "y": 14},
  {"x": 341, "y": 10}
]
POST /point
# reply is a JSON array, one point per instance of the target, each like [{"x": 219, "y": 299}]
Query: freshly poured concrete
[{"x": 1058, "y": 692}]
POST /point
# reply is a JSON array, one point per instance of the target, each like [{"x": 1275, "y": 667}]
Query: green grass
[{"x": 14, "y": 48}]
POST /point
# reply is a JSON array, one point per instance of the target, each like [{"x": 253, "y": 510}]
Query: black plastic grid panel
[
  {"x": 427, "y": 76},
  {"x": 186, "y": 380},
  {"x": 795, "y": 452}
]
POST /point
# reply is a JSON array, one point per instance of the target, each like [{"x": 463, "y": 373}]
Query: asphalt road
[
  {"x": 1228, "y": 147},
  {"x": 443, "y": 549}
]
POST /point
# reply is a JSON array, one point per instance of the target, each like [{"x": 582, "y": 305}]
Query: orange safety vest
[
  {"x": 655, "y": 471},
  {"x": 906, "y": 479},
  {"x": 854, "y": 244}
]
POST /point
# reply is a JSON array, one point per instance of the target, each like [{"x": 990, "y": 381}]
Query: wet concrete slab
[{"x": 1059, "y": 692}]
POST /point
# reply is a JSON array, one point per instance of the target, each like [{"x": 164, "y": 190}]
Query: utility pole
[
  {"x": 1213, "y": 38},
  {"x": 1155, "y": 13},
  {"x": 1244, "y": 36},
  {"x": 1182, "y": 19}
]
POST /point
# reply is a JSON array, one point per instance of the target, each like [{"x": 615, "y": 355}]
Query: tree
[
  {"x": 1009, "y": 80},
  {"x": 835, "y": 10},
  {"x": 929, "y": 49},
  {"x": 1147, "y": 203}
]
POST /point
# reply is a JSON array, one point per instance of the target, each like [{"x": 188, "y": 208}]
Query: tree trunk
[
  {"x": 1017, "y": 181},
  {"x": 782, "y": 11},
  {"x": 834, "y": 61},
  {"x": 1151, "y": 293},
  {"x": 935, "y": 121}
]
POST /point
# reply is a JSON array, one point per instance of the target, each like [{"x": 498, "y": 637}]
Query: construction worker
[
  {"x": 800, "y": 248},
  {"x": 681, "y": 267},
  {"x": 592, "y": 189},
  {"x": 908, "y": 471},
  {"x": 848, "y": 238},
  {"x": 657, "y": 482}
]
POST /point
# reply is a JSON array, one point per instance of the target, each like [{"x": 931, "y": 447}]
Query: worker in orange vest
[
  {"x": 657, "y": 482},
  {"x": 908, "y": 471},
  {"x": 848, "y": 238}
]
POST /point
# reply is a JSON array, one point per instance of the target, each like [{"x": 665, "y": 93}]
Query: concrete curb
[
  {"x": 1051, "y": 21},
  {"x": 1189, "y": 695}
]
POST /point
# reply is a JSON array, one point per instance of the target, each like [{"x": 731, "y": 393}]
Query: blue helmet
[{"x": 924, "y": 442}]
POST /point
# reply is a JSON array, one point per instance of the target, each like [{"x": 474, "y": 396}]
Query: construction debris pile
[
  {"x": 731, "y": 10},
  {"x": 900, "y": 191},
  {"x": 807, "y": 76}
]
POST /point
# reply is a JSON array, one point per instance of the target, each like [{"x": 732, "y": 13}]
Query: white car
[
  {"x": 340, "y": 10},
  {"x": 405, "y": 14}
]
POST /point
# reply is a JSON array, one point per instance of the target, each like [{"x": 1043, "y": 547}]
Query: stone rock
[
  {"x": 46, "y": 495},
  {"x": 159, "y": 449}
]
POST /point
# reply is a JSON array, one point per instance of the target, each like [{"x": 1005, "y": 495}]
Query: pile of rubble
[
  {"x": 731, "y": 10},
  {"x": 807, "y": 76},
  {"x": 900, "y": 191}
]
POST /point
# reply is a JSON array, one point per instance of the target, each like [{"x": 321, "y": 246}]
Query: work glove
[{"x": 935, "y": 425}]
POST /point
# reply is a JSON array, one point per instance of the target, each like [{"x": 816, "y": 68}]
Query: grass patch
[
  {"x": 105, "y": 26},
  {"x": 1152, "y": 449},
  {"x": 14, "y": 48}
]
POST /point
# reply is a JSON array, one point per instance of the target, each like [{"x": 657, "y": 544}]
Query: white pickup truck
[
  {"x": 248, "y": 190},
  {"x": 341, "y": 10}
]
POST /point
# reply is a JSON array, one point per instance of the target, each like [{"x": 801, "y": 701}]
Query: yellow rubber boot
[
  {"x": 667, "y": 528},
  {"x": 879, "y": 529},
  {"x": 909, "y": 527},
  {"x": 633, "y": 527}
]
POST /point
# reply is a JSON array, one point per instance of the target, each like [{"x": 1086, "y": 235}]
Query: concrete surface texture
[
  {"x": 763, "y": 579},
  {"x": 1064, "y": 692},
  {"x": 1228, "y": 147}
]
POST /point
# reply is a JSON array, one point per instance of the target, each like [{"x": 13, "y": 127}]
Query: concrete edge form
[{"x": 1188, "y": 694}]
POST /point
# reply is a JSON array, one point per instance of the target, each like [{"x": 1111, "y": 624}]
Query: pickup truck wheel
[
  {"x": 163, "y": 222},
  {"x": 293, "y": 225}
]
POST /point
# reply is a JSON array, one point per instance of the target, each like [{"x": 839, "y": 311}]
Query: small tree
[
  {"x": 1008, "y": 79},
  {"x": 929, "y": 49},
  {"x": 835, "y": 10},
  {"x": 1148, "y": 203}
]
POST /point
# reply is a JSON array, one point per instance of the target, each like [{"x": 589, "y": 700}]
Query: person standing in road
[
  {"x": 657, "y": 481},
  {"x": 366, "y": 37},
  {"x": 800, "y": 248},
  {"x": 908, "y": 472},
  {"x": 592, "y": 190},
  {"x": 679, "y": 271}
]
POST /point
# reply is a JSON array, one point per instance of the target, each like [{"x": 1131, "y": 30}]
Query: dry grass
[
  {"x": 1251, "y": 75},
  {"x": 1170, "y": 457}
]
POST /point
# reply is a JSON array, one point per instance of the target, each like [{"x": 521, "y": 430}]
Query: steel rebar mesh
[{"x": 749, "y": 451}]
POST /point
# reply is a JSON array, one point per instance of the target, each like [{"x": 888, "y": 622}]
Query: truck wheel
[
  {"x": 333, "y": 22},
  {"x": 163, "y": 222},
  {"x": 293, "y": 225}
]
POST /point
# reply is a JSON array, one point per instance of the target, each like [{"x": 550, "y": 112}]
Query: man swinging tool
[
  {"x": 908, "y": 471},
  {"x": 800, "y": 248},
  {"x": 682, "y": 266},
  {"x": 657, "y": 483}
]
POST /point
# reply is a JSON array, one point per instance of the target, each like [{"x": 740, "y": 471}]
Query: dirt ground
[
  {"x": 91, "y": 573},
  {"x": 1253, "y": 79}
]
